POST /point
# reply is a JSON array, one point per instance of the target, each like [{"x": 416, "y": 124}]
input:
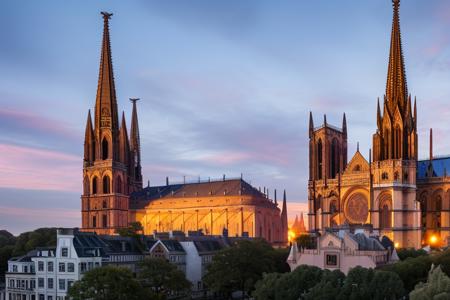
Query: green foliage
[
  {"x": 404, "y": 253},
  {"x": 6, "y": 238},
  {"x": 356, "y": 284},
  {"x": 239, "y": 267},
  {"x": 442, "y": 259},
  {"x": 27, "y": 241},
  {"x": 411, "y": 270},
  {"x": 437, "y": 286},
  {"x": 134, "y": 229},
  {"x": 280, "y": 256},
  {"x": 266, "y": 288},
  {"x": 106, "y": 283},
  {"x": 329, "y": 286},
  {"x": 291, "y": 286},
  {"x": 386, "y": 285},
  {"x": 161, "y": 278},
  {"x": 306, "y": 241},
  {"x": 5, "y": 254}
]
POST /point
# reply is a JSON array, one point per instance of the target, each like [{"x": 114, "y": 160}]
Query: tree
[
  {"x": 356, "y": 285},
  {"x": 404, "y": 253},
  {"x": 134, "y": 229},
  {"x": 161, "y": 277},
  {"x": 328, "y": 287},
  {"x": 239, "y": 267},
  {"x": 106, "y": 283},
  {"x": 437, "y": 286},
  {"x": 411, "y": 270},
  {"x": 386, "y": 285},
  {"x": 292, "y": 286},
  {"x": 266, "y": 288},
  {"x": 27, "y": 241}
]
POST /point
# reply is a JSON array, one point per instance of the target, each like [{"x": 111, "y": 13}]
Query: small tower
[
  {"x": 135, "y": 141},
  {"x": 284, "y": 219}
]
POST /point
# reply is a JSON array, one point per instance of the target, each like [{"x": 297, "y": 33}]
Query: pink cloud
[
  {"x": 34, "y": 122},
  {"x": 31, "y": 168},
  {"x": 226, "y": 157}
]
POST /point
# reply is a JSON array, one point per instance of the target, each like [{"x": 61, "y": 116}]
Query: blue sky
[{"x": 226, "y": 88}]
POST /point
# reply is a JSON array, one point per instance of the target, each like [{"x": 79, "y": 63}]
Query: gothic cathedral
[
  {"x": 393, "y": 192},
  {"x": 113, "y": 195}
]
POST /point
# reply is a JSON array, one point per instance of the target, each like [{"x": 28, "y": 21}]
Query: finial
[
  {"x": 357, "y": 146},
  {"x": 134, "y": 100},
  {"x": 148, "y": 183},
  {"x": 325, "y": 119},
  {"x": 106, "y": 15}
]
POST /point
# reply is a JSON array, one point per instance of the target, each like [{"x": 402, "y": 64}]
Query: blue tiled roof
[{"x": 440, "y": 166}]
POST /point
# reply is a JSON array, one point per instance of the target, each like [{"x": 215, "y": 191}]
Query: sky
[{"x": 226, "y": 87}]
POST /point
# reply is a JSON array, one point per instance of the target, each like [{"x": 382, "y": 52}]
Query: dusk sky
[{"x": 226, "y": 88}]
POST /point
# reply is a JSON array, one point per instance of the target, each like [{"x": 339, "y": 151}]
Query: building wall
[{"x": 239, "y": 214}]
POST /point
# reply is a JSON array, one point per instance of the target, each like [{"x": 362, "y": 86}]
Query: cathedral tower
[
  {"x": 107, "y": 156},
  {"x": 395, "y": 211}
]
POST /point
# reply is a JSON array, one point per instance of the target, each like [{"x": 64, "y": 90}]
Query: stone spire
[
  {"x": 311, "y": 124},
  {"x": 89, "y": 149},
  {"x": 379, "y": 119},
  {"x": 135, "y": 143},
  {"x": 123, "y": 142},
  {"x": 344, "y": 125},
  {"x": 284, "y": 217},
  {"x": 396, "y": 87},
  {"x": 106, "y": 114}
]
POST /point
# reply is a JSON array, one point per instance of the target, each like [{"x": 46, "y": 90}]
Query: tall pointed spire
[
  {"x": 89, "y": 148},
  {"x": 284, "y": 218},
  {"x": 379, "y": 120},
  {"x": 123, "y": 141},
  {"x": 311, "y": 124},
  {"x": 344, "y": 125},
  {"x": 396, "y": 87},
  {"x": 135, "y": 142},
  {"x": 106, "y": 114}
]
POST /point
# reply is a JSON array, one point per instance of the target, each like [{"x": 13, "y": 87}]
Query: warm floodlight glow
[
  {"x": 396, "y": 245},
  {"x": 291, "y": 235},
  {"x": 433, "y": 239}
]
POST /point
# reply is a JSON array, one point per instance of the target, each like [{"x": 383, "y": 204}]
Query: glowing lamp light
[
  {"x": 433, "y": 239},
  {"x": 291, "y": 235},
  {"x": 396, "y": 245}
]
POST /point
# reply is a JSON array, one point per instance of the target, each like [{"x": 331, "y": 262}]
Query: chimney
[
  {"x": 167, "y": 180},
  {"x": 431, "y": 144}
]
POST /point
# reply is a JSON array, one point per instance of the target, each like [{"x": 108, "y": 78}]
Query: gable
[{"x": 357, "y": 164}]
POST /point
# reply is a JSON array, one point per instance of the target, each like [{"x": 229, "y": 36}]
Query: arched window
[
  {"x": 105, "y": 149},
  {"x": 86, "y": 185},
  {"x": 333, "y": 207},
  {"x": 334, "y": 158},
  {"x": 319, "y": 159},
  {"x": 387, "y": 143},
  {"x": 318, "y": 203},
  {"x": 397, "y": 142},
  {"x": 438, "y": 204},
  {"x": 104, "y": 204},
  {"x": 94, "y": 221},
  {"x": 104, "y": 221},
  {"x": 119, "y": 185},
  {"x": 94, "y": 185},
  {"x": 357, "y": 168},
  {"x": 106, "y": 185},
  {"x": 385, "y": 217}
]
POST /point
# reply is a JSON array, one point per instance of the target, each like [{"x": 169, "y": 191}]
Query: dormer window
[{"x": 64, "y": 252}]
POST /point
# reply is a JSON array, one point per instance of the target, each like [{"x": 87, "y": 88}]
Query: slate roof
[
  {"x": 231, "y": 187},
  {"x": 25, "y": 258},
  {"x": 87, "y": 243},
  {"x": 120, "y": 245},
  {"x": 440, "y": 166},
  {"x": 366, "y": 243},
  {"x": 173, "y": 245}
]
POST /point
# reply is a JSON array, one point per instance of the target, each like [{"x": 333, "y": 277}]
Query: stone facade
[
  {"x": 113, "y": 195},
  {"x": 388, "y": 192}
]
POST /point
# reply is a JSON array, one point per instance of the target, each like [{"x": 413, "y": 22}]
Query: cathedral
[
  {"x": 402, "y": 198},
  {"x": 114, "y": 196}
]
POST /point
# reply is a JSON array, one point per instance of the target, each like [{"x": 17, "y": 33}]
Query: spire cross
[
  {"x": 106, "y": 15},
  {"x": 134, "y": 100}
]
